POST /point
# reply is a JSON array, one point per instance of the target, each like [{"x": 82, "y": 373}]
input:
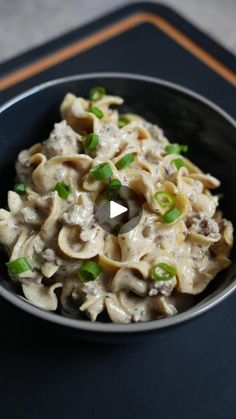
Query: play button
[{"x": 118, "y": 211}]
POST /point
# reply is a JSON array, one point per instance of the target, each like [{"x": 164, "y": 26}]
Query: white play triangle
[{"x": 116, "y": 209}]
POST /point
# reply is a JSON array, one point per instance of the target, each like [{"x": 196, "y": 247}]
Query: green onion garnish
[
  {"x": 18, "y": 266},
  {"x": 171, "y": 215},
  {"x": 89, "y": 271},
  {"x": 101, "y": 171},
  {"x": 176, "y": 149},
  {"x": 123, "y": 121},
  {"x": 97, "y": 112},
  {"x": 114, "y": 184},
  {"x": 125, "y": 161},
  {"x": 91, "y": 142},
  {"x": 117, "y": 229},
  {"x": 178, "y": 163},
  {"x": 20, "y": 188},
  {"x": 97, "y": 93},
  {"x": 162, "y": 272},
  {"x": 164, "y": 199},
  {"x": 112, "y": 189},
  {"x": 62, "y": 189}
]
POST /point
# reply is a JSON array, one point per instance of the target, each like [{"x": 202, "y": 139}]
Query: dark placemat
[{"x": 188, "y": 372}]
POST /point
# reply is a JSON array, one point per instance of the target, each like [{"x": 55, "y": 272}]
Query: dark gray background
[{"x": 27, "y": 23}]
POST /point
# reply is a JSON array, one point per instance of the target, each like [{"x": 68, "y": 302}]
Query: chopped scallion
[
  {"x": 178, "y": 163},
  {"x": 91, "y": 142},
  {"x": 112, "y": 189},
  {"x": 114, "y": 184},
  {"x": 18, "y": 266},
  {"x": 164, "y": 199},
  {"x": 97, "y": 93},
  {"x": 116, "y": 229},
  {"x": 123, "y": 121},
  {"x": 20, "y": 188},
  {"x": 171, "y": 215},
  {"x": 176, "y": 149},
  {"x": 63, "y": 190},
  {"x": 97, "y": 112},
  {"x": 101, "y": 171},
  {"x": 162, "y": 272},
  {"x": 125, "y": 161},
  {"x": 89, "y": 271}
]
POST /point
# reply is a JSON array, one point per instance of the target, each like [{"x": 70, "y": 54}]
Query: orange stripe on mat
[{"x": 108, "y": 33}]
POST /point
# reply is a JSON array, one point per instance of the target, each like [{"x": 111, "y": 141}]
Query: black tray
[{"x": 188, "y": 372}]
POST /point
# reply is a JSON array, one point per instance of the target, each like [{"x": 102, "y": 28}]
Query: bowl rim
[{"x": 111, "y": 328}]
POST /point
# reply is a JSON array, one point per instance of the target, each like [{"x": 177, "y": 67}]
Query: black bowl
[{"x": 185, "y": 116}]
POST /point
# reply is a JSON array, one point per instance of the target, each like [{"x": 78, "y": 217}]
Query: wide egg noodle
[{"x": 71, "y": 245}]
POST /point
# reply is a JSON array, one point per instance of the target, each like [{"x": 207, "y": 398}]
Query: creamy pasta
[{"x": 65, "y": 261}]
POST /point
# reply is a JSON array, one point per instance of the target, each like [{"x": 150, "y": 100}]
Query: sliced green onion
[
  {"x": 112, "y": 189},
  {"x": 162, "y": 272},
  {"x": 18, "y": 266},
  {"x": 178, "y": 163},
  {"x": 97, "y": 93},
  {"x": 20, "y": 188},
  {"x": 63, "y": 190},
  {"x": 97, "y": 112},
  {"x": 110, "y": 194},
  {"x": 176, "y": 149},
  {"x": 117, "y": 229},
  {"x": 114, "y": 184},
  {"x": 123, "y": 121},
  {"x": 171, "y": 215},
  {"x": 89, "y": 271},
  {"x": 101, "y": 171},
  {"x": 125, "y": 161},
  {"x": 91, "y": 142},
  {"x": 164, "y": 199}
]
